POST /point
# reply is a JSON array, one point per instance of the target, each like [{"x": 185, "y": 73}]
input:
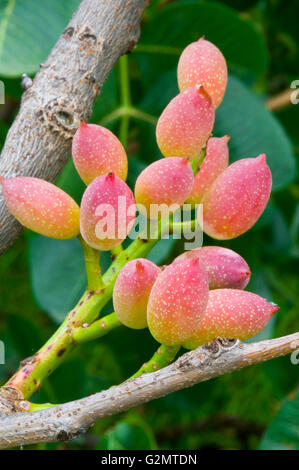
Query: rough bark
[
  {"x": 67, "y": 421},
  {"x": 63, "y": 92}
]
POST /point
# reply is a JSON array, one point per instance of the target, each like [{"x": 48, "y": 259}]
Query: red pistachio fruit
[
  {"x": 237, "y": 198},
  {"x": 225, "y": 267},
  {"x": 177, "y": 302}
]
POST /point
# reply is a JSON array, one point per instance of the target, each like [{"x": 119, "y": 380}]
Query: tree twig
[
  {"x": 63, "y": 92},
  {"x": 34, "y": 369},
  {"x": 67, "y": 421},
  {"x": 280, "y": 101}
]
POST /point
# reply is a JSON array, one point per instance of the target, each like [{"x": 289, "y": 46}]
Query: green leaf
[
  {"x": 3, "y": 131},
  {"x": 254, "y": 130},
  {"x": 69, "y": 381},
  {"x": 136, "y": 166},
  {"x": 13, "y": 87},
  {"x": 289, "y": 118},
  {"x": 162, "y": 90},
  {"x": 24, "y": 334},
  {"x": 107, "y": 100},
  {"x": 58, "y": 277},
  {"x": 161, "y": 250},
  {"x": 165, "y": 36},
  {"x": 57, "y": 274},
  {"x": 70, "y": 181},
  {"x": 126, "y": 436},
  {"x": 11, "y": 355},
  {"x": 240, "y": 4},
  {"x": 259, "y": 285},
  {"x": 283, "y": 432},
  {"x": 281, "y": 242},
  {"x": 28, "y": 31}
]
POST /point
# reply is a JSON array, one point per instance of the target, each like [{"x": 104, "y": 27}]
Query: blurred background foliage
[{"x": 257, "y": 407}]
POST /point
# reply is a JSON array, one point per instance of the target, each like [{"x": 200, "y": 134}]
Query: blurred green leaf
[
  {"x": 294, "y": 230},
  {"x": 136, "y": 166},
  {"x": 282, "y": 374},
  {"x": 259, "y": 284},
  {"x": 240, "y": 4},
  {"x": 107, "y": 100},
  {"x": 24, "y": 334},
  {"x": 161, "y": 250},
  {"x": 131, "y": 348},
  {"x": 69, "y": 381},
  {"x": 28, "y": 31},
  {"x": 162, "y": 90},
  {"x": 12, "y": 86},
  {"x": 3, "y": 132},
  {"x": 289, "y": 117},
  {"x": 180, "y": 23},
  {"x": 254, "y": 130},
  {"x": 11, "y": 355},
  {"x": 70, "y": 181},
  {"x": 144, "y": 134},
  {"x": 126, "y": 436},
  {"x": 281, "y": 240},
  {"x": 57, "y": 274},
  {"x": 266, "y": 217},
  {"x": 283, "y": 432}
]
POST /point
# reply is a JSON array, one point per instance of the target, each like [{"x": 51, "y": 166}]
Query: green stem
[
  {"x": 125, "y": 97},
  {"x": 92, "y": 266},
  {"x": 124, "y": 80},
  {"x": 175, "y": 227},
  {"x": 197, "y": 161},
  {"x": 29, "y": 378},
  {"x": 131, "y": 112},
  {"x": 95, "y": 330},
  {"x": 39, "y": 407},
  {"x": 162, "y": 358},
  {"x": 116, "y": 251},
  {"x": 124, "y": 130}
]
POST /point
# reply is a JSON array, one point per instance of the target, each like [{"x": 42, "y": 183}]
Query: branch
[
  {"x": 34, "y": 369},
  {"x": 67, "y": 421},
  {"x": 280, "y": 101},
  {"x": 63, "y": 92}
]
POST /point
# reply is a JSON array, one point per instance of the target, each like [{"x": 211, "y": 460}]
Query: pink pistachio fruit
[
  {"x": 186, "y": 124},
  {"x": 237, "y": 198},
  {"x": 214, "y": 163},
  {"x": 232, "y": 313},
  {"x": 167, "y": 181},
  {"x": 177, "y": 302},
  {"x": 107, "y": 212},
  {"x": 225, "y": 267},
  {"x": 202, "y": 63},
  {"x": 131, "y": 292},
  {"x": 97, "y": 151},
  {"x": 41, "y": 206}
]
